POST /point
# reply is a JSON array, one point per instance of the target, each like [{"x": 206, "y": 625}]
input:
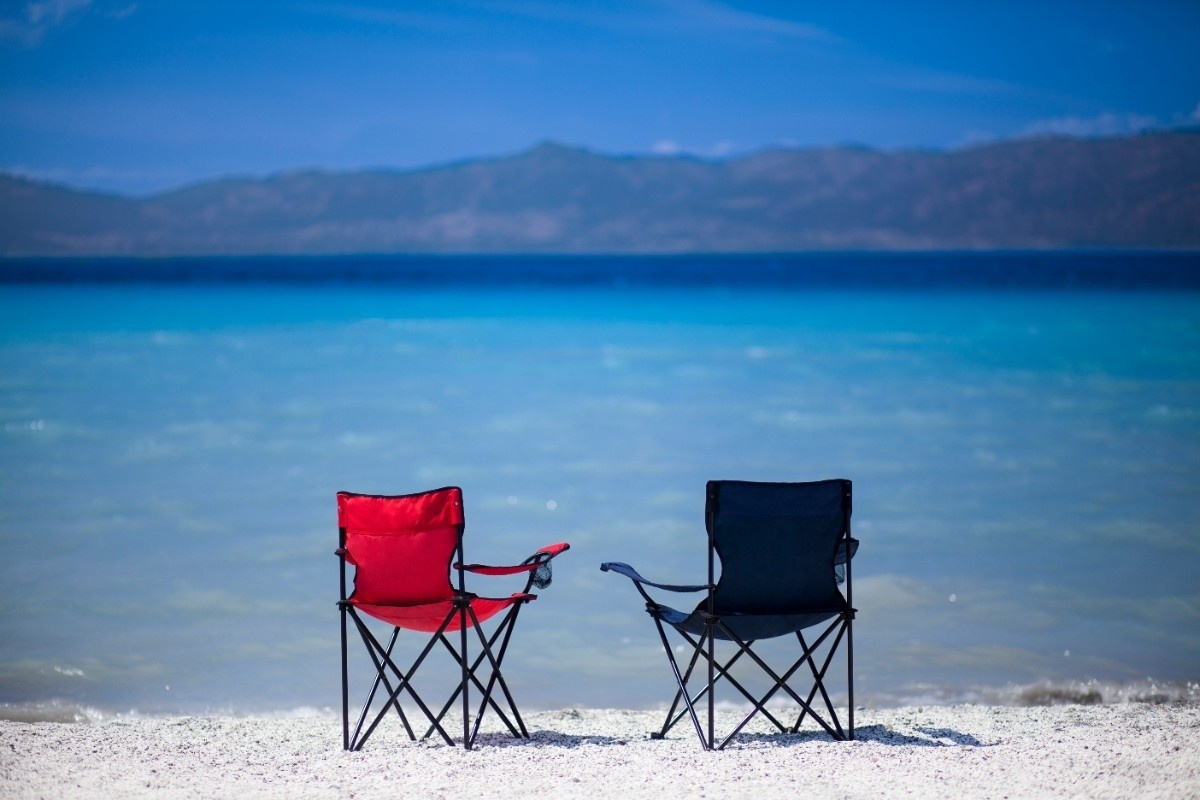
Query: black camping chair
[{"x": 785, "y": 551}]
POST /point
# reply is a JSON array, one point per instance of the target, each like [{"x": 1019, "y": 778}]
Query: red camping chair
[{"x": 401, "y": 548}]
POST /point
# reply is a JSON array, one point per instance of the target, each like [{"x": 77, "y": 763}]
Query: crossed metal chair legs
[
  {"x": 396, "y": 682},
  {"x": 704, "y": 647}
]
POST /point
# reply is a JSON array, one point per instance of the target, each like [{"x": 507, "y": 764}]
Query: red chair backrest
[{"x": 402, "y": 545}]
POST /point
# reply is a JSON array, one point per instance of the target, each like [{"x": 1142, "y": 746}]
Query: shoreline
[
  {"x": 1083, "y": 692},
  {"x": 967, "y": 751}
]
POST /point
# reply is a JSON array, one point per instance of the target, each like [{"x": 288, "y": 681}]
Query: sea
[{"x": 1022, "y": 430}]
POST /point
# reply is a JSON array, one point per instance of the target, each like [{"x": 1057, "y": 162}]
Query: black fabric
[
  {"x": 631, "y": 573},
  {"x": 777, "y": 544},
  {"x": 747, "y": 627}
]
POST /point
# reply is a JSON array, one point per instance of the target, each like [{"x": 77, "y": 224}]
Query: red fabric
[
  {"x": 487, "y": 569},
  {"x": 437, "y": 508},
  {"x": 428, "y": 617},
  {"x": 401, "y": 545}
]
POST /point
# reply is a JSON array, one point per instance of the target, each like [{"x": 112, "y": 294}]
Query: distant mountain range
[{"x": 1130, "y": 192}]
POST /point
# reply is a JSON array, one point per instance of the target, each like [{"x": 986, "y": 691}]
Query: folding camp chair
[
  {"x": 784, "y": 549},
  {"x": 401, "y": 548}
]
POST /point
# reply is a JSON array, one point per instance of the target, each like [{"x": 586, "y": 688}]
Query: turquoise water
[{"x": 1026, "y": 466}]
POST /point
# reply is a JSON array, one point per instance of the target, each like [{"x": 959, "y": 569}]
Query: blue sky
[{"x": 135, "y": 96}]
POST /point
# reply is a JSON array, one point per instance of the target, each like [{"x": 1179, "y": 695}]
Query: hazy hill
[{"x": 1139, "y": 191}]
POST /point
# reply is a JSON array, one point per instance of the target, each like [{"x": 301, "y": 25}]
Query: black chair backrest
[{"x": 777, "y": 543}]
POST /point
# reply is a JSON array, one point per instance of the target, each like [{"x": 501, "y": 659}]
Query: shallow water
[{"x": 1025, "y": 467}]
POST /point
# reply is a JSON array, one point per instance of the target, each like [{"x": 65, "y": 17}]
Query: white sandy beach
[{"x": 1117, "y": 751}]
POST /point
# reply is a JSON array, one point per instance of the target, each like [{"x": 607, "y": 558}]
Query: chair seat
[
  {"x": 428, "y": 617},
  {"x": 747, "y": 627}
]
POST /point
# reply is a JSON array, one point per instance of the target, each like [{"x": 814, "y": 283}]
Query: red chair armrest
[
  {"x": 553, "y": 549},
  {"x": 488, "y": 569},
  {"x": 531, "y": 563}
]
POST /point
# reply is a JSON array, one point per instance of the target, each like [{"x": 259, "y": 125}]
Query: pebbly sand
[{"x": 1118, "y": 751}]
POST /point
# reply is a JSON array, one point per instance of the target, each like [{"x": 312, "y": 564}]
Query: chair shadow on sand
[
  {"x": 879, "y": 734},
  {"x": 548, "y": 738},
  {"x": 932, "y": 737}
]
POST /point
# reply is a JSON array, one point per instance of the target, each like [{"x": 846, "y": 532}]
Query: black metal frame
[
  {"x": 704, "y": 646},
  {"x": 384, "y": 665}
]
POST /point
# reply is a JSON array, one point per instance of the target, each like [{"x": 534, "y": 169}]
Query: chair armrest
[
  {"x": 489, "y": 569},
  {"x": 542, "y": 555},
  {"x": 632, "y": 574},
  {"x": 550, "y": 550}
]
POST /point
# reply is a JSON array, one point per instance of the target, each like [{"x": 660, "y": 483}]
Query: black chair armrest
[{"x": 632, "y": 574}]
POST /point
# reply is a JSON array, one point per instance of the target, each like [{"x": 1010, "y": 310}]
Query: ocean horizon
[
  {"x": 1022, "y": 430},
  {"x": 1100, "y": 269}
]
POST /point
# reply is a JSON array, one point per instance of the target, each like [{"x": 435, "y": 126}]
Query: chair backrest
[
  {"x": 401, "y": 545},
  {"x": 777, "y": 543}
]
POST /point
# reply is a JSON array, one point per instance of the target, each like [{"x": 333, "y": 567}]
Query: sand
[{"x": 1118, "y": 751}]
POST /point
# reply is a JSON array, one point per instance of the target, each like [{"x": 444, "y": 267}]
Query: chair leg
[
  {"x": 504, "y": 633},
  {"x": 489, "y": 651},
  {"x": 704, "y": 645},
  {"x": 850, "y": 674},
  {"x": 672, "y": 717},
  {"x": 478, "y": 685},
  {"x": 466, "y": 703},
  {"x": 468, "y": 671},
  {"x": 720, "y": 672},
  {"x": 723, "y": 673},
  {"x": 819, "y": 676},
  {"x": 780, "y": 682},
  {"x": 710, "y": 632},
  {"x": 683, "y": 690},
  {"x": 495, "y": 677},
  {"x": 359, "y": 738},
  {"x": 382, "y": 659},
  {"x": 393, "y": 700},
  {"x": 345, "y": 685}
]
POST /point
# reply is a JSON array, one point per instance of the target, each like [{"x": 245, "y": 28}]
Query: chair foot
[{"x": 657, "y": 735}]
